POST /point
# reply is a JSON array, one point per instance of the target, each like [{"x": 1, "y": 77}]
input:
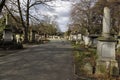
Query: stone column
[{"x": 106, "y": 23}]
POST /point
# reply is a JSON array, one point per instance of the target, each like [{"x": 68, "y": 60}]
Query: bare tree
[
  {"x": 23, "y": 10},
  {"x": 87, "y": 15},
  {"x": 2, "y": 3},
  {"x": 82, "y": 15}
]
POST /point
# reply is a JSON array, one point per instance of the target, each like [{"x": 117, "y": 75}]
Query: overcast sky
[
  {"x": 59, "y": 11},
  {"x": 62, "y": 10}
]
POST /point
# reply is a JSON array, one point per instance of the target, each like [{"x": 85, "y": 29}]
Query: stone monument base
[
  {"x": 107, "y": 68},
  {"x": 106, "y": 64}
]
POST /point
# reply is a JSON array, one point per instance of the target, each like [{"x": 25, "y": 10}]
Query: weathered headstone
[
  {"x": 7, "y": 32},
  {"x": 79, "y": 36},
  {"x": 7, "y": 35},
  {"x": 86, "y": 40},
  {"x": 74, "y": 37},
  {"x": 17, "y": 38},
  {"x": 106, "y": 47}
]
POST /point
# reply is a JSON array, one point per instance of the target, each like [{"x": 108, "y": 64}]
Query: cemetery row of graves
[
  {"x": 9, "y": 38},
  {"x": 14, "y": 38},
  {"x": 13, "y": 35},
  {"x": 86, "y": 56},
  {"x": 97, "y": 55}
]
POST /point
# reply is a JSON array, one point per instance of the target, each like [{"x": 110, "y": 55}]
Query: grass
[
  {"x": 87, "y": 56},
  {"x": 84, "y": 57}
]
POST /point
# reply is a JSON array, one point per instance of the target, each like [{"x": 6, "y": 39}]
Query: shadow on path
[{"x": 51, "y": 61}]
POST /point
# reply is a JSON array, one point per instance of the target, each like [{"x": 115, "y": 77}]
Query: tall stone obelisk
[
  {"x": 106, "y": 23},
  {"x": 106, "y": 47}
]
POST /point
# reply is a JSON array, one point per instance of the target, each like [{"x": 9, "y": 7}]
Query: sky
[
  {"x": 58, "y": 10},
  {"x": 62, "y": 10}
]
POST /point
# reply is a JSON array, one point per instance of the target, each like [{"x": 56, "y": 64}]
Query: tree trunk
[
  {"x": 27, "y": 21},
  {"x": 2, "y": 3},
  {"x": 26, "y": 35},
  {"x": 23, "y": 24}
]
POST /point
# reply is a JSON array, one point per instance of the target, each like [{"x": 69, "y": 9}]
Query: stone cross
[{"x": 106, "y": 23}]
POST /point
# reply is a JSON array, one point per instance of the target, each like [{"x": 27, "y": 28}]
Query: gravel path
[{"x": 51, "y": 61}]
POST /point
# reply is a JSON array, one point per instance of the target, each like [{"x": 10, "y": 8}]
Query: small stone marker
[{"x": 86, "y": 40}]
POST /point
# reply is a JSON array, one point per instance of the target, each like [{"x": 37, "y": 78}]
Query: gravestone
[
  {"x": 79, "y": 36},
  {"x": 7, "y": 35},
  {"x": 106, "y": 47},
  {"x": 8, "y": 32},
  {"x": 74, "y": 37},
  {"x": 86, "y": 40},
  {"x": 17, "y": 38}
]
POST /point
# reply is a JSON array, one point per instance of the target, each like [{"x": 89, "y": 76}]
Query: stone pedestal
[
  {"x": 106, "y": 61},
  {"x": 106, "y": 49}
]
